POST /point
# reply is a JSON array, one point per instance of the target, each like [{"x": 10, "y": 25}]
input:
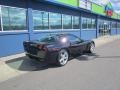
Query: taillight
[
  {"x": 43, "y": 47},
  {"x": 55, "y": 49},
  {"x": 40, "y": 46}
]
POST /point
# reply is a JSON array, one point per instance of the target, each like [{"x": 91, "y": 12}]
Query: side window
[
  {"x": 48, "y": 39},
  {"x": 73, "y": 39}
]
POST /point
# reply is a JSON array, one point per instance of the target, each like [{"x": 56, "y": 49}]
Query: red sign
[
  {"x": 109, "y": 10},
  {"x": 109, "y": 13}
]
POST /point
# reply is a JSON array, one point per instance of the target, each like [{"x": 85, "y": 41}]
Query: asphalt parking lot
[{"x": 98, "y": 71}]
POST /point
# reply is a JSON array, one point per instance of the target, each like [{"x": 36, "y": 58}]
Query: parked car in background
[{"x": 57, "y": 48}]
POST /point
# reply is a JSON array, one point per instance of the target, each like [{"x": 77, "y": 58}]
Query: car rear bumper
[{"x": 50, "y": 57}]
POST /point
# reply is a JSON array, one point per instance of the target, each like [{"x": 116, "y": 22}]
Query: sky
[{"x": 115, "y": 4}]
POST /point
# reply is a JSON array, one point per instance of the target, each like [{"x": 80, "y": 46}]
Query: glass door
[{"x": 104, "y": 28}]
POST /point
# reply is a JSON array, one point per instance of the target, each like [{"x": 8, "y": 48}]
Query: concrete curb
[{"x": 7, "y": 58}]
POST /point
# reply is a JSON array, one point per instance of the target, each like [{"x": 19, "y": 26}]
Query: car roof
[{"x": 60, "y": 34}]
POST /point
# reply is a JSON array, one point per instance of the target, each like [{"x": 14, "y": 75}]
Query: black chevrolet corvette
[{"x": 57, "y": 48}]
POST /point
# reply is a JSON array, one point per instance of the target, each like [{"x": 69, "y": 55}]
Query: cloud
[
  {"x": 115, "y": 1},
  {"x": 116, "y": 5},
  {"x": 117, "y": 11}
]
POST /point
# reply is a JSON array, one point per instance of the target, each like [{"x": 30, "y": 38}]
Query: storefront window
[
  {"x": 76, "y": 22},
  {"x": 55, "y": 21},
  {"x": 114, "y": 25},
  {"x": 84, "y": 23},
  {"x": 5, "y": 18},
  {"x": 40, "y": 20},
  {"x": 93, "y": 24},
  {"x": 13, "y": 18},
  {"x": 88, "y": 23},
  {"x": 67, "y": 22},
  {"x": 101, "y": 22},
  {"x": 0, "y": 20},
  {"x": 118, "y": 25},
  {"x": 0, "y": 25}
]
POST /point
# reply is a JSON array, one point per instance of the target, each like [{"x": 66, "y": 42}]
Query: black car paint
[{"x": 53, "y": 48}]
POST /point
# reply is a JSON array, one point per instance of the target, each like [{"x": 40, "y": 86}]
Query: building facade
[{"x": 22, "y": 20}]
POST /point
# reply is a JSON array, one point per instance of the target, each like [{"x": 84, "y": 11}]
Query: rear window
[{"x": 48, "y": 39}]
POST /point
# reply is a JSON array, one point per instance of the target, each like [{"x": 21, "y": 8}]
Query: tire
[
  {"x": 91, "y": 48},
  {"x": 63, "y": 57}
]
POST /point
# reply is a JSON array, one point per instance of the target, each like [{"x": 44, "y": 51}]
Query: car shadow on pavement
[
  {"x": 87, "y": 57},
  {"x": 26, "y": 64}
]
